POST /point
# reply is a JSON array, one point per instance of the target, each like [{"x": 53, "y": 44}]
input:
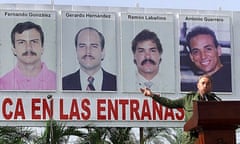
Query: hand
[{"x": 146, "y": 91}]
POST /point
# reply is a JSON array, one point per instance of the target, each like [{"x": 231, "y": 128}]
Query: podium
[{"x": 216, "y": 121}]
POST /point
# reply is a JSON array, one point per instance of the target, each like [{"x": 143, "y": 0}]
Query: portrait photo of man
[
  {"x": 147, "y": 50},
  {"x": 148, "y": 53},
  {"x": 30, "y": 71},
  {"x": 206, "y": 55},
  {"x": 90, "y": 63},
  {"x": 89, "y": 43}
]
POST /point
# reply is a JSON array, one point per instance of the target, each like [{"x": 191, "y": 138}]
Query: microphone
[
  {"x": 213, "y": 96},
  {"x": 216, "y": 97}
]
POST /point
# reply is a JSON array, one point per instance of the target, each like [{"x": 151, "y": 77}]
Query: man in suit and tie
[{"x": 89, "y": 43}]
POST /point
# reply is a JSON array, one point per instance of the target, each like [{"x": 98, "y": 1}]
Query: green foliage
[
  {"x": 161, "y": 135},
  {"x": 16, "y": 135},
  {"x": 120, "y": 135},
  {"x": 56, "y": 132}
]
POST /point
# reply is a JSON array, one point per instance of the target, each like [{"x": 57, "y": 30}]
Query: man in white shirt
[{"x": 147, "y": 51}]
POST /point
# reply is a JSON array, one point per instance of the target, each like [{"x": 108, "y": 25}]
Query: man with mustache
[
  {"x": 147, "y": 51},
  {"x": 30, "y": 72},
  {"x": 205, "y": 52},
  {"x": 89, "y": 44}
]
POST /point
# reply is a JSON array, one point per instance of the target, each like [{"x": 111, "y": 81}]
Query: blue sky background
[{"x": 232, "y": 5}]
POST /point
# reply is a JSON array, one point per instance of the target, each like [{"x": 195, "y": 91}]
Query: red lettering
[
  {"x": 74, "y": 111},
  {"x": 113, "y": 109},
  {"x": 62, "y": 115},
  {"x": 47, "y": 110},
  {"x": 123, "y": 104},
  {"x": 146, "y": 111},
  {"x": 6, "y": 102},
  {"x": 86, "y": 108},
  {"x": 38, "y": 105},
  {"x": 101, "y": 109},
  {"x": 169, "y": 114},
  {"x": 180, "y": 115},
  {"x": 109, "y": 109},
  {"x": 36, "y": 108},
  {"x": 134, "y": 107},
  {"x": 19, "y": 110},
  {"x": 157, "y": 110}
]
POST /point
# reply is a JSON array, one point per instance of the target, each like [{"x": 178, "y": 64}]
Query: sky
[{"x": 230, "y": 5}]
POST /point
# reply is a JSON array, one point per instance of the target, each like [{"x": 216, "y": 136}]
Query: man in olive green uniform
[{"x": 203, "y": 93}]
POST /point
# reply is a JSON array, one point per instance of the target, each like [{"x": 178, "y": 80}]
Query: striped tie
[{"x": 90, "y": 86}]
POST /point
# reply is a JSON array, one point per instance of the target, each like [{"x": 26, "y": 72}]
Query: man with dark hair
[
  {"x": 89, "y": 43},
  {"x": 147, "y": 51},
  {"x": 205, "y": 52},
  {"x": 30, "y": 72}
]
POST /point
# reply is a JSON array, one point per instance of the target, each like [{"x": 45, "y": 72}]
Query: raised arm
[{"x": 148, "y": 92}]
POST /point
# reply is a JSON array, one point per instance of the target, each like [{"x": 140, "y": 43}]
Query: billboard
[{"x": 47, "y": 57}]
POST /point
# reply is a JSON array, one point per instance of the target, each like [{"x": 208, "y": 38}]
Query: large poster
[
  {"x": 205, "y": 48},
  {"x": 28, "y": 50},
  {"x": 148, "y": 52},
  {"x": 84, "y": 66}
]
